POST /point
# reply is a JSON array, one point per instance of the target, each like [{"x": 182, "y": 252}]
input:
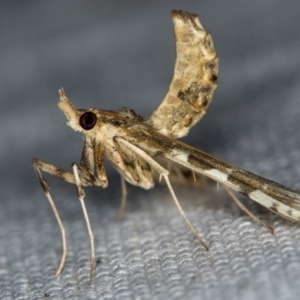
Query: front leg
[
  {"x": 81, "y": 195},
  {"x": 80, "y": 174},
  {"x": 39, "y": 166}
]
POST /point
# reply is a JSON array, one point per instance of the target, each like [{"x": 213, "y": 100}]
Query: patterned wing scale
[{"x": 194, "y": 80}]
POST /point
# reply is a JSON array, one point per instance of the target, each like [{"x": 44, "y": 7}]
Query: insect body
[{"x": 135, "y": 146}]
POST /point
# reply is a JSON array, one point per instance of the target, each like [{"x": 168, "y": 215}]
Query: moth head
[{"x": 78, "y": 119}]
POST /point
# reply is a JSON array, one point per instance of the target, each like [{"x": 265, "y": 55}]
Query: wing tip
[{"x": 183, "y": 15}]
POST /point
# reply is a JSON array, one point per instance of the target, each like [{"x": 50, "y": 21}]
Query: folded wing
[{"x": 194, "y": 80}]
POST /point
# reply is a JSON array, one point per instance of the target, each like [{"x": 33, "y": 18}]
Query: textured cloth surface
[{"x": 114, "y": 54}]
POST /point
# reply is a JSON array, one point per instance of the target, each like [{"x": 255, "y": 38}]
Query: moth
[{"x": 139, "y": 148}]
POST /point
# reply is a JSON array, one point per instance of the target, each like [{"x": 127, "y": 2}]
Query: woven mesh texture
[{"x": 114, "y": 54}]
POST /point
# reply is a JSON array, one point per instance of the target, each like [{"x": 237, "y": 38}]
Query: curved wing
[{"x": 194, "y": 80}]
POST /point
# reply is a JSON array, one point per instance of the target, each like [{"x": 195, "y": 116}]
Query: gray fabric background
[{"x": 111, "y": 54}]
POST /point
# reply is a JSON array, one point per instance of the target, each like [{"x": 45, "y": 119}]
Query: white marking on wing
[
  {"x": 261, "y": 195},
  {"x": 270, "y": 202},
  {"x": 222, "y": 177},
  {"x": 180, "y": 155},
  {"x": 217, "y": 175}
]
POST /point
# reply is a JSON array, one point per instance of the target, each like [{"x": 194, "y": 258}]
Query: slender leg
[
  {"x": 81, "y": 177},
  {"x": 123, "y": 199},
  {"x": 242, "y": 207},
  {"x": 191, "y": 227},
  {"x": 163, "y": 173},
  {"x": 37, "y": 165},
  {"x": 81, "y": 196}
]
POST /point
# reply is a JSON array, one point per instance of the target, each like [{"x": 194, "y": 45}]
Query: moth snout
[{"x": 70, "y": 111}]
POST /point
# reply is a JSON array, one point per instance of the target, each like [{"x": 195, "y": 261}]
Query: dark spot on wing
[
  {"x": 211, "y": 65},
  {"x": 274, "y": 208},
  {"x": 213, "y": 78},
  {"x": 191, "y": 94},
  {"x": 205, "y": 103},
  {"x": 129, "y": 163},
  {"x": 205, "y": 90}
]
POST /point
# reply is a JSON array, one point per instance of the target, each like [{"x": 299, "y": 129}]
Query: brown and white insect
[{"x": 140, "y": 148}]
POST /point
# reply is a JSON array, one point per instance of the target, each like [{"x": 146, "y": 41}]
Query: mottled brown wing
[{"x": 194, "y": 80}]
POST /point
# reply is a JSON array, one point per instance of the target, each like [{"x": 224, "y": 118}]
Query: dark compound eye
[{"x": 88, "y": 120}]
